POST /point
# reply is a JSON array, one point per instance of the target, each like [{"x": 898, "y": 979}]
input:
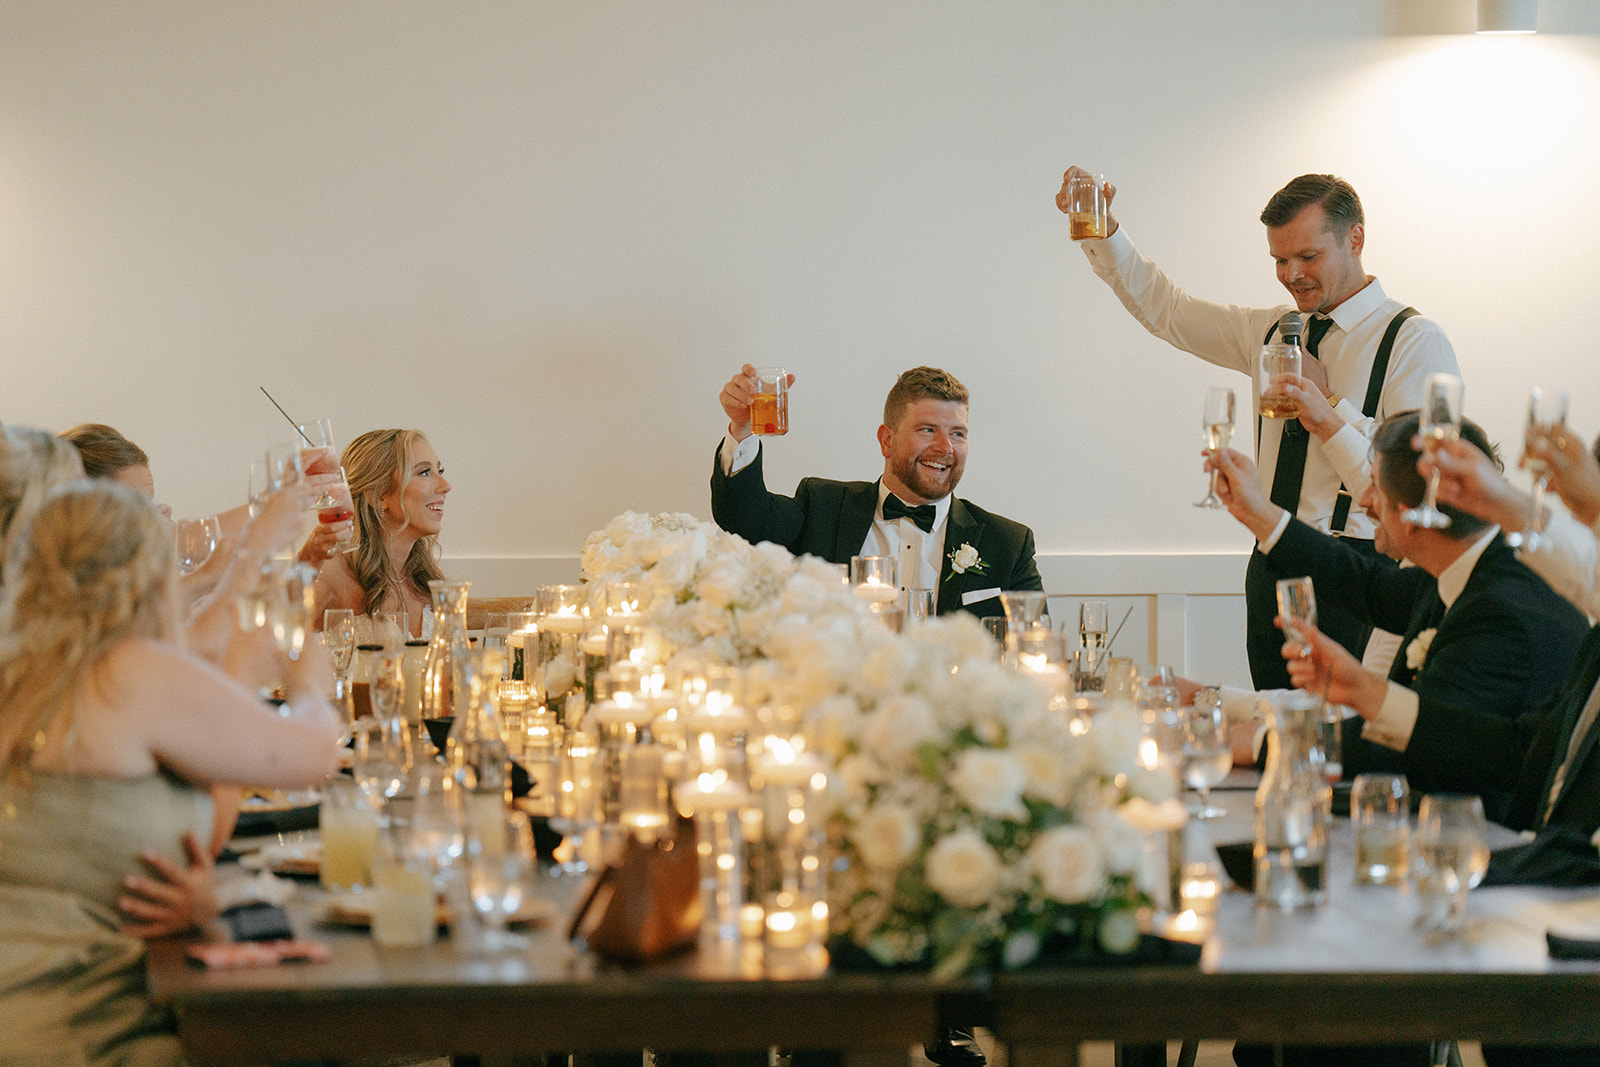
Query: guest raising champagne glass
[
  {"x": 1216, "y": 420},
  {"x": 398, "y": 488}
]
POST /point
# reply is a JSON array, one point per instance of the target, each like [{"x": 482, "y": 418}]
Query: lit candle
[
  {"x": 567, "y": 621},
  {"x": 876, "y": 592}
]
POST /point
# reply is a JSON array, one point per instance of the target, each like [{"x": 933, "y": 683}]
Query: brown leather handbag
[{"x": 647, "y": 904}]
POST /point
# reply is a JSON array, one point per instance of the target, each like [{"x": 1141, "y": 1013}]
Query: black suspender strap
[{"x": 1380, "y": 371}]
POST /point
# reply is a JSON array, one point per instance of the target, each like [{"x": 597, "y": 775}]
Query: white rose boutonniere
[
  {"x": 965, "y": 559},
  {"x": 1417, "y": 650}
]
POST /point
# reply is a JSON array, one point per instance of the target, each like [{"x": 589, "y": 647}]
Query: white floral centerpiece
[{"x": 977, "y": 828}]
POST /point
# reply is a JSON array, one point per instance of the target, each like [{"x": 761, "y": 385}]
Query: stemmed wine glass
[
  {"x": 339, "y": 634},
  {"x": 499, "y": 857},
  {"x": 577, "y": 801},
  {"x": 1547, "y": 415},
  {"x": 1452, "y": 858},
  {"x": 1207, "y": 757},
  {"x": 388, "y": 686},
  {"x": 1217, "y": 422},
  {"x": 196, "y": 539},
  {"x": 382, "y": 758},
  {"x": 336, "y": 505},
  {"x": 1440, "y": 424}
]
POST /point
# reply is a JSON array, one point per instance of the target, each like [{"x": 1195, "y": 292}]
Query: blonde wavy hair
[
  {"x": 375, "y": 463},
  {"x": 92, "y": 566},
  {"x": 32, "y": 462}
]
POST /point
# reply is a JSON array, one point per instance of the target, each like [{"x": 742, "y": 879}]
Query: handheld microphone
[{"x": 1291, "y": 328}]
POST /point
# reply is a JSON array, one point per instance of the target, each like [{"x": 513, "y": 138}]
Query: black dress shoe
[{"x": 956, "y": 1048}]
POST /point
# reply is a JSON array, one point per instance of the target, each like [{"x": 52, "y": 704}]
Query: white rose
[
  {"x": 990, "y": 782},
  {"x": 1068, "y": 864},
  {"x": 560, "y": 675},
  {"x": 1417, "y": 650},
  {"x": 1121, "y": 846},
  {"x": 1048, "y": 772},
  {"x": 1114, "y": 735},
  {"x": 886, "y": 837},
  {"x": 897, "y": 727},
  {"x": 964, "y": 557},
  {"x": 1155, "y": 784},
  {"x": 1119, "y": 931},
  {"x": 963, "y": 869}
]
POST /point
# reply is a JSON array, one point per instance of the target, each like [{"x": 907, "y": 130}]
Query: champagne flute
[
  {"x": 1207, "y": 757},
  {"x": 290, "y": 612},
  {"x": 339, "y": 634},
  {"x": 1547, "y": 416},
  {"x": 197, "y": 540},
  {"x": 283, "y": 466},
  {"x": 1217, "y": 422},
  {"x": 1440, "y": 424},
  {"x": 1297, "y": 603},
  {"x": 499, "y": 857},
  {"x": 260, "y": 487},
  {"x": 1452, "y": 858}
]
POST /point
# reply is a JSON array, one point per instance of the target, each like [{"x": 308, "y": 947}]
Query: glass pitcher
[
  {"x": 447, "y": 651},
  {"x": 476, "y": 751},
  {"x": 1293, "y": 808}
]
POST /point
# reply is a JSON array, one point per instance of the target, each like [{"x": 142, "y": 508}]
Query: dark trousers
[{"x": 1264, "y": 641}]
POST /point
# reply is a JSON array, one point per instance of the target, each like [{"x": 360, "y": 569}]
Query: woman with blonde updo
[
  {"x": 31, "y": 463},
  {"x": 111, "y": 735},
  {"x": 398, "y": 486}
]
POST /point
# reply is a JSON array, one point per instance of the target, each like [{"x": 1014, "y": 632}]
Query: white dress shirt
[
  {"x": 1568, "y": 558},
  {"x": 1231, "y": 336}
]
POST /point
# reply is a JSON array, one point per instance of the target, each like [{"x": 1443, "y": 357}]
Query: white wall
[{"x": 547, "y": 232}]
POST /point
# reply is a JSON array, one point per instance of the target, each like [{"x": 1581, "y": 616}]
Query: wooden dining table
[{"x": 1356, "y": 971}]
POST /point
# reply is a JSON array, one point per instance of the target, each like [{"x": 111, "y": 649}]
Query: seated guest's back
[{"x": 110, "y": 734}]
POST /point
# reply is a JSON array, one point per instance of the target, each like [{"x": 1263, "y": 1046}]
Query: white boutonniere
[
  {"x": 1417, "y": 650},
  {"x": 965, "y": 559}
]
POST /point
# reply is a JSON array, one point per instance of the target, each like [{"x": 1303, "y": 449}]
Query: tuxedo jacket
[
  {"x": 831, "y": 519},
  {"x": 1527, "y": 751},
  {"x": 1502, "y": 649}
]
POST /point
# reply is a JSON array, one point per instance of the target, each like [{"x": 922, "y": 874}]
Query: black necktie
[
  {"x": 1291, "y": 469},
  {"x": 922, "y": 514}
]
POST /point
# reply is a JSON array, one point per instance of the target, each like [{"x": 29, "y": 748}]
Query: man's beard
[{"x": 925, "y": 483}]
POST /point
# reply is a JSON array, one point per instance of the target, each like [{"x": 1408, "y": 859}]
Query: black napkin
[
  {"x": 1571, "y": 948},
  {"x": 258, "y": 922},
  {"x": 1560, "y": 857},
  {"x": 254, "y": 823}
]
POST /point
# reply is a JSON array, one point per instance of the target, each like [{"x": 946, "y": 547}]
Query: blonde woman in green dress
[{"x": 112, "y": 737}]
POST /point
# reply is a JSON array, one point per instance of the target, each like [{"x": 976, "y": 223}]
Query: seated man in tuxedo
[
  {"x": 910, "y": 513},
  {"x": 1477, "y": 626}
]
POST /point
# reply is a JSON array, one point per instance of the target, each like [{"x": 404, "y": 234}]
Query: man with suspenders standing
[{"x": 1367, "y": 357}]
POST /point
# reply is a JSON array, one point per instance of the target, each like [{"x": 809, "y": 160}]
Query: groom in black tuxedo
[
  {"x": 967, "y": 554},
  {"x": 1479, "y": 628}
]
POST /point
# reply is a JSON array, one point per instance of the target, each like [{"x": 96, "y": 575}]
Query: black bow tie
[{"x": 923, "y": 514}]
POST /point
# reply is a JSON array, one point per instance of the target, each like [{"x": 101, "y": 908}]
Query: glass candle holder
[
  {"x": 717, "y": 805},
  {"x": 559, "y": 667},
  {"x": 791, "y": 862}
]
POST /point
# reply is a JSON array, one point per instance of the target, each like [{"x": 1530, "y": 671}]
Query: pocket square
[{"x": 972, "y": 596}]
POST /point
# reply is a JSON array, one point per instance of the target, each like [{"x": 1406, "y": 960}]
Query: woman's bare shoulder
[{"x": 337, "y": 586}]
